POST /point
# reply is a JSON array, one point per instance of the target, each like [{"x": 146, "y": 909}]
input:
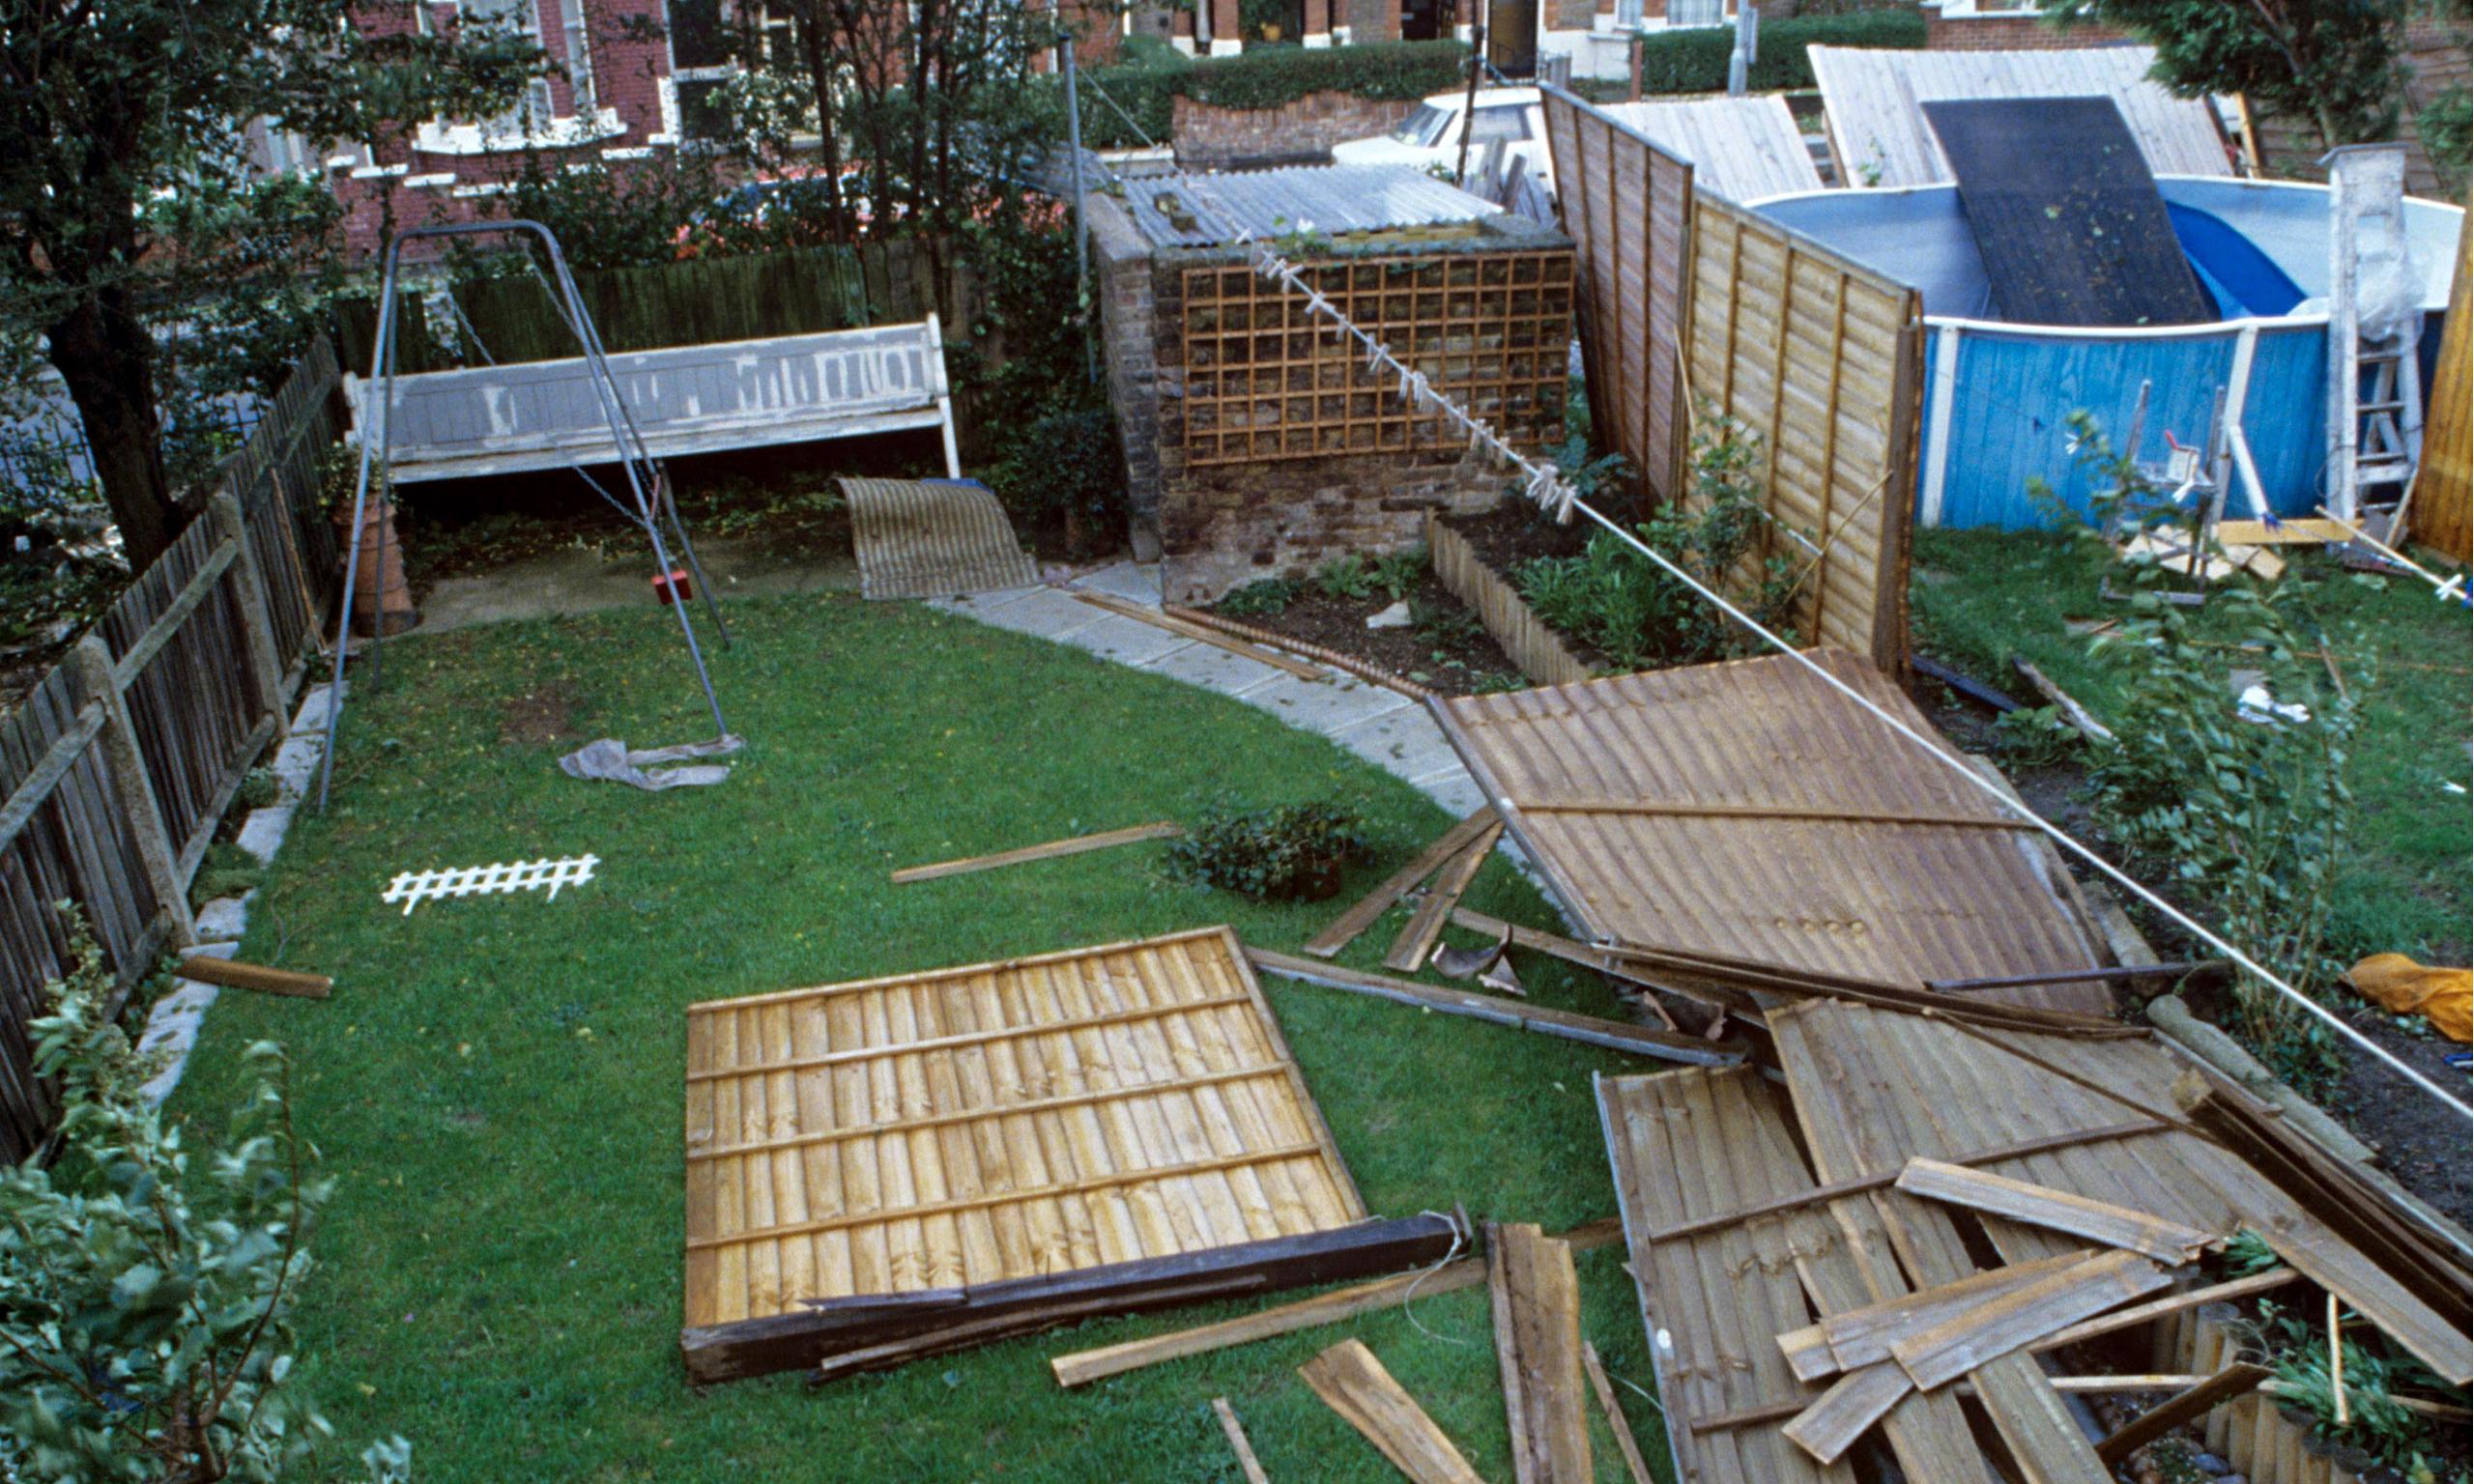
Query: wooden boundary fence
[
  {"x": 119, "y": 765},
  {"x": 2442, "y": 514},
  {"x": 1693, "y": 304},
  {"x": 1525, "y": 639}
]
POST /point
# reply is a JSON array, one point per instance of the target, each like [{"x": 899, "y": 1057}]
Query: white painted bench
[{"x": 685, "y": 400}]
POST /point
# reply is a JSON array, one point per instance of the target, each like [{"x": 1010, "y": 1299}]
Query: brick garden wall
[
  {"x": 1210, "y": 137},
  {"x": 2012, "y": 31}
]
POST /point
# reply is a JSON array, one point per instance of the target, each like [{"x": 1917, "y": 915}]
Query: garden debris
[
  {"x": 1158, "y": 829},
  {"x": 980, "y": 1235},
  {"x": 932, "y": 538},
  {"x": 1187, "y": 629},
  {"x": 613, "y": 760},
  {"x": 1487, "y": 964},
  {"x": 1354, "y": 1384},
  {"x": 2404, "y": 987},
  {"x": 1634, "y": 1466},
  {"x": 412, "y": 888},
  {"x": 2224, "y": 1387},
  {"x": 234, "y": 974},
  {"x": 1535, "y": 1298},
  {"x": 1082, "y": 1367},
  {"x": 2256, "y": 705},
  {"x": 1344, "y": 929},
  {"x": 2082, "y": 720},
  {"x": 2060, "y": 1211},
  {"x": 2215, "y": 968},
  {"x": 1348, "y": 663},
  {"x": 1418, "y": 935},
  {"x": 1235, "y": 1431},
  {"x": 1397, "y": 617},
  {"x": 1614, "y": 1035}
]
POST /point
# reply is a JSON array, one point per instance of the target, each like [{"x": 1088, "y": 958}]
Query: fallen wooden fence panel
[
  {"x": 1354, "y": 1384},
  {"x": 1025, "y": 1178}
]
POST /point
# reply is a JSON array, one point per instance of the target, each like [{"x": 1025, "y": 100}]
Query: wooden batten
[{"x": 1536, "y": 1300}]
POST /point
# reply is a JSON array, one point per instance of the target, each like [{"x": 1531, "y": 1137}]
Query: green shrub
[
  {"x": 1066, "y": 471},
  {"x": 1694, "y": 59},
  {"x": 1266, "y": 79},
  {"x": 1356, "y": 577},
  {"x": 1443, "y": 622},
  {"x": 1288, "y": 852},
  {"x": 1268, "y": 598}
]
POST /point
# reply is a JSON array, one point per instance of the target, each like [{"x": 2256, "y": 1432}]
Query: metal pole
[
  {"x": 1739, "y": 61},
  {"x": 1081, "y": 227},
  {"x": 374, "y": 404},
  {"x": 1469, "y": 102}
]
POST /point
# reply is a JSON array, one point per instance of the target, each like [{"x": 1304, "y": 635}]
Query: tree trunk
[{"x": 108, "y": 360}]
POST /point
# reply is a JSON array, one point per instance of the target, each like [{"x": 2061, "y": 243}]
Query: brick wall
[
  {"x": 2022, "y": 30},
  {"x": 1368, "y": 20},
  {"x": 1210, "y": 137},
  {"x": 1122, "y": 263}
]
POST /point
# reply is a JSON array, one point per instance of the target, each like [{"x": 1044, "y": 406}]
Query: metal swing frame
[{"x": 647, "y": 482}]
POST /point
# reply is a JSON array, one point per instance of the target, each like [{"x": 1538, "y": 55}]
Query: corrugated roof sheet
[
  {"x": 1691, "y": 751},
  {"x": 1211, "y": 210},
  {"x": 1872, "y": 98},
  {"x": 1742, "y": 148}
]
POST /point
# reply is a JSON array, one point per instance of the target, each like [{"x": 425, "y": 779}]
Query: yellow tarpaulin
[{"x": 2445, "y": 995}]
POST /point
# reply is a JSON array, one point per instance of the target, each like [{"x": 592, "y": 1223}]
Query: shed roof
[
  {"x": 1212, "y": 210},
  {"x": 1742, "y": 148},
  {"x": 1874, "y": 99}
]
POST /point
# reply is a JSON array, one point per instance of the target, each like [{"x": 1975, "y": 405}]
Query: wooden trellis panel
[
  {"x": 1822, "y": 360},
  {"x": 1628, "y": 204},
  {"x": 1267, "y": 379},
  {"x": 945, "y": 1134}
]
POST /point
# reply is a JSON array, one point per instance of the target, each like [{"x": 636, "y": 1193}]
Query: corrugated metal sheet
[
  {"x": 1214, "y": 210},
  {"x": 1880, "y": 136},
  {"x": 1742, "y": 148},
  {"x": 1893, "y": 901},
  {"x": 932, "y": 538}
]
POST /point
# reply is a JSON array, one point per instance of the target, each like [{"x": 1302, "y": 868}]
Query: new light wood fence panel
[
  {"x": 998, "y": 1122},
  {"x": 1628, "y": 204},
  {"x": 2442, "y": 514},
  {"x": 1820, "y": 360}
]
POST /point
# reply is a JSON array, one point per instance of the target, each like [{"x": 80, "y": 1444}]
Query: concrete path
[{"x": 1380, "y": 725}]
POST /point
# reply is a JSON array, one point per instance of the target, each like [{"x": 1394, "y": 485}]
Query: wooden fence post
[
  {"x": 257, "y": 621},
  {"x": 91, "y": 664}
]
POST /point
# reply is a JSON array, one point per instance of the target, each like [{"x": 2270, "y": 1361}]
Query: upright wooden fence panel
[
  {"x": 116, "y": 768},
  {"x": 1822, "y": 360},
  {"x": 2444, "y": 486},
  {"x": 1626, "y": 204}
]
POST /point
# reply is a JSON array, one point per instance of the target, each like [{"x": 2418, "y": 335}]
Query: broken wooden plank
[
  {"x": 1634, "y": 1465},
  {"x": 2080, "y": 719},
  {"x": 1536, "y": 1300},
  {"x": 1188, "y": 629},
  {"x": 2376, "y": 1294},
  {"x": 2157, "y": 1308},
  {"x": 1860, "y": 1398},
  {"x": 2119, "y": 972},
  {"x": 1354, "y": 1384},
  {"x": 1860, "y": 1337},
  {"x": 1756, "y": 978},
  {"x": 2288, "y": 533},
  {"x": 2118, "y": 1226},
  {"x": 1614, "y": 1035},
  {"x": 1362, "y": 914},
  {"x": 1238, "y": 1445},
  {"x": 1417, "y": 938},
  {"x": 1685, "y": 809},
  {"x": 2024, "y": 1316},
  {"x": 1158, "y": 829},
  {"x": 2224, "y": 1387},
  {"x": 1082, "y": 1367},
  {"x": 234, "y": 974}
]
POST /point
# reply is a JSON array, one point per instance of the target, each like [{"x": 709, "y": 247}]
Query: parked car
[{"x": 1431, "y": 137}]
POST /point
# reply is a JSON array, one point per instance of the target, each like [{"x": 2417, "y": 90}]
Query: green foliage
[
  {"x": 629, "y": 216},
  {"x": 2247, "y": 1253},
  {"x": 259, "y": 789},
  {"x": 1066, "y": 470},
  {"x": 1157, "y": 52},
  {"x": 1288, "y": 852},
  {"x": 2036, "y": 737},
  {"x": 146, "y": 1305},
  {"x": 228, "y": 870},
  {"x": 1636, "y": 613},
  {"x": 1442, "y": 622},
  {"x": 1256, "y": 20},
  {"x": 1266, "y": 79},
  {"x": 2337, "y": 62},
  {"x": 2377, "y": 1423},
  {"x": 1693, "y": 59},
  {"x": 1356, "y": 577},
  {"x": 2447, "y": 127},
  {"x": 1265, "y": 598}
]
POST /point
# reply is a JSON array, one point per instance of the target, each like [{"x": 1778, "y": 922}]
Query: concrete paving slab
[
  {"x": 312, "y": 715},
  {"x": 1457, "y": 793},
  {"x": 1132, "y": 581},
  {"x": 1324, "y": 707},
  {"x": 225, "y": 917},
  {"x": 1408, "y": 743},
  {"x": 1126, "y": 640},
  {"x": 1214, "y": 669},
  {"x": 1043, "y": 613},
  {"x": 262, "y": 833},
  {"x": 978, "y": 605}
]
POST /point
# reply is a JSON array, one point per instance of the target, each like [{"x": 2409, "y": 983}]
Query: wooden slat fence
[
  {"x": 119, "y": 764},
  {"x": 1694, "y": 308},
  {"x": 1525, "y": 639}
]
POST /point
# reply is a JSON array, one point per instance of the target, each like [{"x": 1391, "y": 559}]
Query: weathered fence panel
[
  {"x": 1627, "y": 205},
  {"x": 1525, "y": 639},
  {"x": 117, "y": 767}
]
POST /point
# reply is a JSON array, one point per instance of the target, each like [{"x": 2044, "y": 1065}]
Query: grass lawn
[
  {"x": 497, "y": 1085},
  {"x": 1983, "y": 596}
]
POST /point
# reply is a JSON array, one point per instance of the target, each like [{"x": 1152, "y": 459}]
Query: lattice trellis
[
  {"x": 412, "y": 888},
  {"x": 1265, "y": 380}
]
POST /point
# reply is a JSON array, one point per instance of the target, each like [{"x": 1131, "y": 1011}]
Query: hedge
[
  {"x": 1266, "y": 77},
  {"x": 1695, "y": 59}
]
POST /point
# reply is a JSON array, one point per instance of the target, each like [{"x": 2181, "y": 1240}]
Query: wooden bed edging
[
  {"x": 840, "y": 1336},
  {"x": 1539, "y": 650}
]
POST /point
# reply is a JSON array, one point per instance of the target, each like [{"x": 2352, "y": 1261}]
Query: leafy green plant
[
  {"x": 1265, "y": 77},
  {"x": 259, "y": 789},
  {"x": 1065, "y": 469},
  {"x": 2036, "y": 737},
  {"x": 1443, "y": 622},
  {"x": 1351, "y": 576},
  {"x": 1288, "y": 852},
  {"x": 2375, "y": 1420},
  {"x": 146, "y": 1302},
  {"x": 1265, "y": 598},
  {"x": 2247, "y": 1253},
  {"x": 1693, "y": 59},
  {"x": 1636, "y": 612}
]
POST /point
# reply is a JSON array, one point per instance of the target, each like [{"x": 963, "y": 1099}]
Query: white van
[{"x": 1431, "y": 135}]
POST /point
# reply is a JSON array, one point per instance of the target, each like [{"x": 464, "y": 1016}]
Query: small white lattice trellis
[{"x": 412, "y": 888}]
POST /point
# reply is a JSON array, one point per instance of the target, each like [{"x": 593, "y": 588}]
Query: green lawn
[
  {"x": 1982, "y": 596},
  {"x": 497, "y": 1083}
]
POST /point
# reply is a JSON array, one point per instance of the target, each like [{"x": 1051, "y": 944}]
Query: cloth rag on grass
[{"x": 609, "y": 759}]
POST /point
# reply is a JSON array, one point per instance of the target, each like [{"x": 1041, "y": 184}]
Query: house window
[
  {"x": 519, "y": 17},
  {"x": 1696, "y": 12},
  {"x": 579, "y": 40},
  {"x": 705, "y": 55}
]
